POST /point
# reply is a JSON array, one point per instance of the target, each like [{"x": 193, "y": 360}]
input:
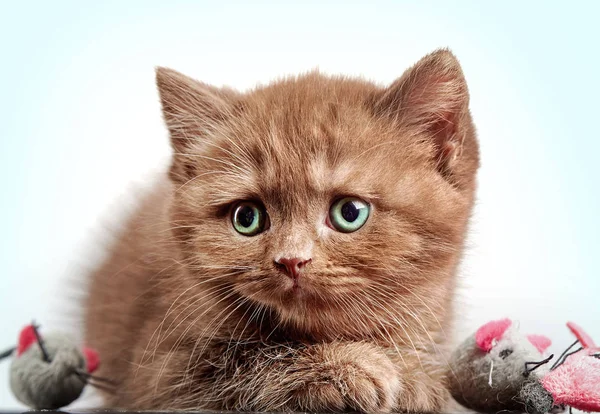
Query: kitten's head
[{"x": 339, "y": 206}]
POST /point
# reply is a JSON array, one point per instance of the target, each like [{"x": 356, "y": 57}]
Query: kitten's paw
[{"x": 356, "y": 376}]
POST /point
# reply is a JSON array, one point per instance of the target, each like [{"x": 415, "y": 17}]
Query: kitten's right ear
[
  {"x": 432, "y": 96},
  {"x": 191, "y": 110}
]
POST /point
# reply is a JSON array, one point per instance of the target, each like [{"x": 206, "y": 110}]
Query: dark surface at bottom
[{"x": 108, "y": 411}]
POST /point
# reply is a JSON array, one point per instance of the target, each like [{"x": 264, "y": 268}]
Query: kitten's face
[{"x": 321, "y": 199}]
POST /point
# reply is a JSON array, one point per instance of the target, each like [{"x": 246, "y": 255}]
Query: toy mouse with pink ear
[{"x": 489, "y": 369}]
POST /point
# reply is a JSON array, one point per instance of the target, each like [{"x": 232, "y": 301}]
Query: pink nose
[{"x": 292, "y": 267}]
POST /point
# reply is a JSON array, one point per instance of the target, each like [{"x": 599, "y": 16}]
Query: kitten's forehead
[
  {"x": 294, "y": 145},
  {"x": 315, "y": 159}
]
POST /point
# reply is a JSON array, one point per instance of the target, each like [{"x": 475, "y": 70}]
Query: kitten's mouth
[
  {"x": 296, "y": 288},
  {"x": 279, "y": 291}
]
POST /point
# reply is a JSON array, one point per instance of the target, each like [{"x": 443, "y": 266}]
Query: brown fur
[{"x": 188, "y": 314}]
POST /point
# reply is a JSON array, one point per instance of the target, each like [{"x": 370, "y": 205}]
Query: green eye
[
  {"x": 249, "y": 218},
  {"x": 349, "y": 214}
]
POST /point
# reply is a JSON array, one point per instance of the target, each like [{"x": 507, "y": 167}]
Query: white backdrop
[{"x": 81, "y": 127}]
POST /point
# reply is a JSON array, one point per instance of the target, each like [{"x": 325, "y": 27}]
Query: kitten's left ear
[{"x": 432, "y": 97}]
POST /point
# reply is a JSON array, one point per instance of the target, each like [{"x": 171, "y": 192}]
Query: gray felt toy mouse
[
  {"x": 50, "y": 373},
  {"x": 489, "y": 369}
]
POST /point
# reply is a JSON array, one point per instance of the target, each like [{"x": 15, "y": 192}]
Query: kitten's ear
[
  {"x": 189, "y": 106},
  {"x": 191, "y": 109},
  {"x": 432, "y": 96}
]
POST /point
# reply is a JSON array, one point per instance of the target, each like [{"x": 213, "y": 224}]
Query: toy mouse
[
  {"x": 489, "y": 369},
  {"x": 50, "y": 373},
  {"x": 573, "y": 380}
]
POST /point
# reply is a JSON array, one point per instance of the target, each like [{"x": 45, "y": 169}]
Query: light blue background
[{"x": 80, "y": 128}]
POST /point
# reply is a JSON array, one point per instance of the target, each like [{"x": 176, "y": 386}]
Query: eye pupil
[
  {"x": 246, "y": 216},
  {"x": 349, "y": 212}
]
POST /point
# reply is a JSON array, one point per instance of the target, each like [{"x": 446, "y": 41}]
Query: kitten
[{"x": 302, "y": 252}]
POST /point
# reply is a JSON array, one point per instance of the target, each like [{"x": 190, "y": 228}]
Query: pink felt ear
[
  {"x": 26, "y": 338},
  {"x": 491, "y": 332},
  {"x": 585, "y": 340},
  {"x": 92, "y": 359},
  {"x": 541, "y": 342}
]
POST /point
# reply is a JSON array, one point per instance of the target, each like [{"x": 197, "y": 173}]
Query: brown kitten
[{"x": 285, "y": 302}]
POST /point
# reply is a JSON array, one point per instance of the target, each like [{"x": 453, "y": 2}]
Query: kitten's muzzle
[{"x": 292, "y": 267}]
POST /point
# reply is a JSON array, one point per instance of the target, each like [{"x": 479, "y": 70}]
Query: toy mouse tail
[{"x": 7, "y": 353}]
